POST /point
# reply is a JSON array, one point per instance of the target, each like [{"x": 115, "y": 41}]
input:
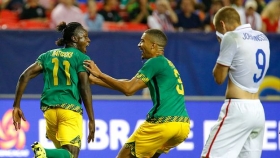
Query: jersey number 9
[{"x": 261, "y": 65}]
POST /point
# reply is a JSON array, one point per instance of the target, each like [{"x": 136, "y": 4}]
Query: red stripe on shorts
[{"x": 208, "y": 153}]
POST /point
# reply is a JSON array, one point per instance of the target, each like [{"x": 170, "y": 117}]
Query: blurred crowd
[{"x": 126, "y": 15}]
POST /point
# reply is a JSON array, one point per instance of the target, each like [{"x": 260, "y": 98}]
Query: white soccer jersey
[{"x": 247, "y": 53}]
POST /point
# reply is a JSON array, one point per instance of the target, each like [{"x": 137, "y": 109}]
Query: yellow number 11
[{"x": 66, "y": 70}]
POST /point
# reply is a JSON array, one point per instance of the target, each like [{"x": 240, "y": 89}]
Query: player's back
[
  {"x": 61, "y": 68},
  {"x": 251, "y": 59}
]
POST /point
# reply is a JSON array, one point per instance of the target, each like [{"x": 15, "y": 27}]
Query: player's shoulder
[
  {"x": 52, "y": 51},
  {"x": 260, "y": 33},
  {"x": 47, "y": 53},
  {"x": 230, "y": 38},
  {"x": 237, "y": 35},
  {"x": 80, "y": 54},
  {"x": 232, "y": 34},
  {"x": 158, "y": 59},
  {"x": 152, "y": 62}
]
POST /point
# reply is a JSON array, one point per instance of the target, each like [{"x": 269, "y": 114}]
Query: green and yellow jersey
[
  {"x": 60, "y": 69},
  {"x": 166, "y": 90}
]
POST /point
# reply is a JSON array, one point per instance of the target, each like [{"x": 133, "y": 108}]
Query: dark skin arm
[
  {"x": 31, "y": 72},
  {"x": 127, "y": 87},
  {"x": 220, "y": 73},
  {"x": 86, "y": 95}
]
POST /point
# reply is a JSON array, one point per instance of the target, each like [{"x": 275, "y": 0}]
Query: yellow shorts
[
  {"x": 152, "y": 138},
  {"x": 64, "y": 127}
]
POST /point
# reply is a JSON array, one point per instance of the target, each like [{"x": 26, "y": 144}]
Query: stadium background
[{"x": 117, "y": 54}]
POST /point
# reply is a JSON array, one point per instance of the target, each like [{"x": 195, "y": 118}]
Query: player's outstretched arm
[
  {"x": 86, "y": 95},
  {"x": 94, "y": 80},
  {"x": 127, "y": 87},
  {"x": 31, "y": 72}
]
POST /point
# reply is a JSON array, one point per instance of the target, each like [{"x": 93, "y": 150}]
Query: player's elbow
[
  {"x": 219, "y": 81},
  {"x": 128, "y": 92},
  {"x": 219, "y": 78},
  {"x": 24, "y": 77},
  {"x": 220, "y": 73}
]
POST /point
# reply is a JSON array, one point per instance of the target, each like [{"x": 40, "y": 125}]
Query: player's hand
[
  {"x": 17, "y": 116},
  {"x": 91, "y": 127},
  {"x": 92, "y": 68}
]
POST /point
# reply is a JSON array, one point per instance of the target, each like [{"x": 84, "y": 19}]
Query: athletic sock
[{"x": 58, "y": 153}]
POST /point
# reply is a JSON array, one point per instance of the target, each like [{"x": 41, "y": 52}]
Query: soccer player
[
  {"x": 167, "y": 123},
  {"x": 244, "y": 57},
  {"x": 66, "y": 84}
]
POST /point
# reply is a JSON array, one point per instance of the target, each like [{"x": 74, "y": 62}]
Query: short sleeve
[
  {"x": 149, "y": 70},
  {"x": 40, "y": 60},
  {"x": 80, "y": 66},
  {"x": 227, "y": 50}
]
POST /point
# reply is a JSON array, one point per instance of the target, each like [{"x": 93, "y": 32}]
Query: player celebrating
[
  {"x": 244, "y": 57},
  {"x": 167, "y": 123},
  {"x": 66, "y": 82}
]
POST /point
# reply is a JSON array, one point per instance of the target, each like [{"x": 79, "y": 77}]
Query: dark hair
[
  {"x": 157, "y": 36},
  {"x": 67, "y": 32}
]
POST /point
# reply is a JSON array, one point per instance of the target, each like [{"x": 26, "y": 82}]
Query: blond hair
[{"x": 228, "y": 15}]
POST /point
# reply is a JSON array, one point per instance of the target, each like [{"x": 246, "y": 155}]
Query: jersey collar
[{"x": 244, "y": 26}]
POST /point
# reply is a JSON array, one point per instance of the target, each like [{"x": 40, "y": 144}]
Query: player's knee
[
  {"x": 124, "y": 156},
  {"x": 72, "y": 149},
  {"x": 75, "y": 155},
  {"x": 125, "y": 153}
]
